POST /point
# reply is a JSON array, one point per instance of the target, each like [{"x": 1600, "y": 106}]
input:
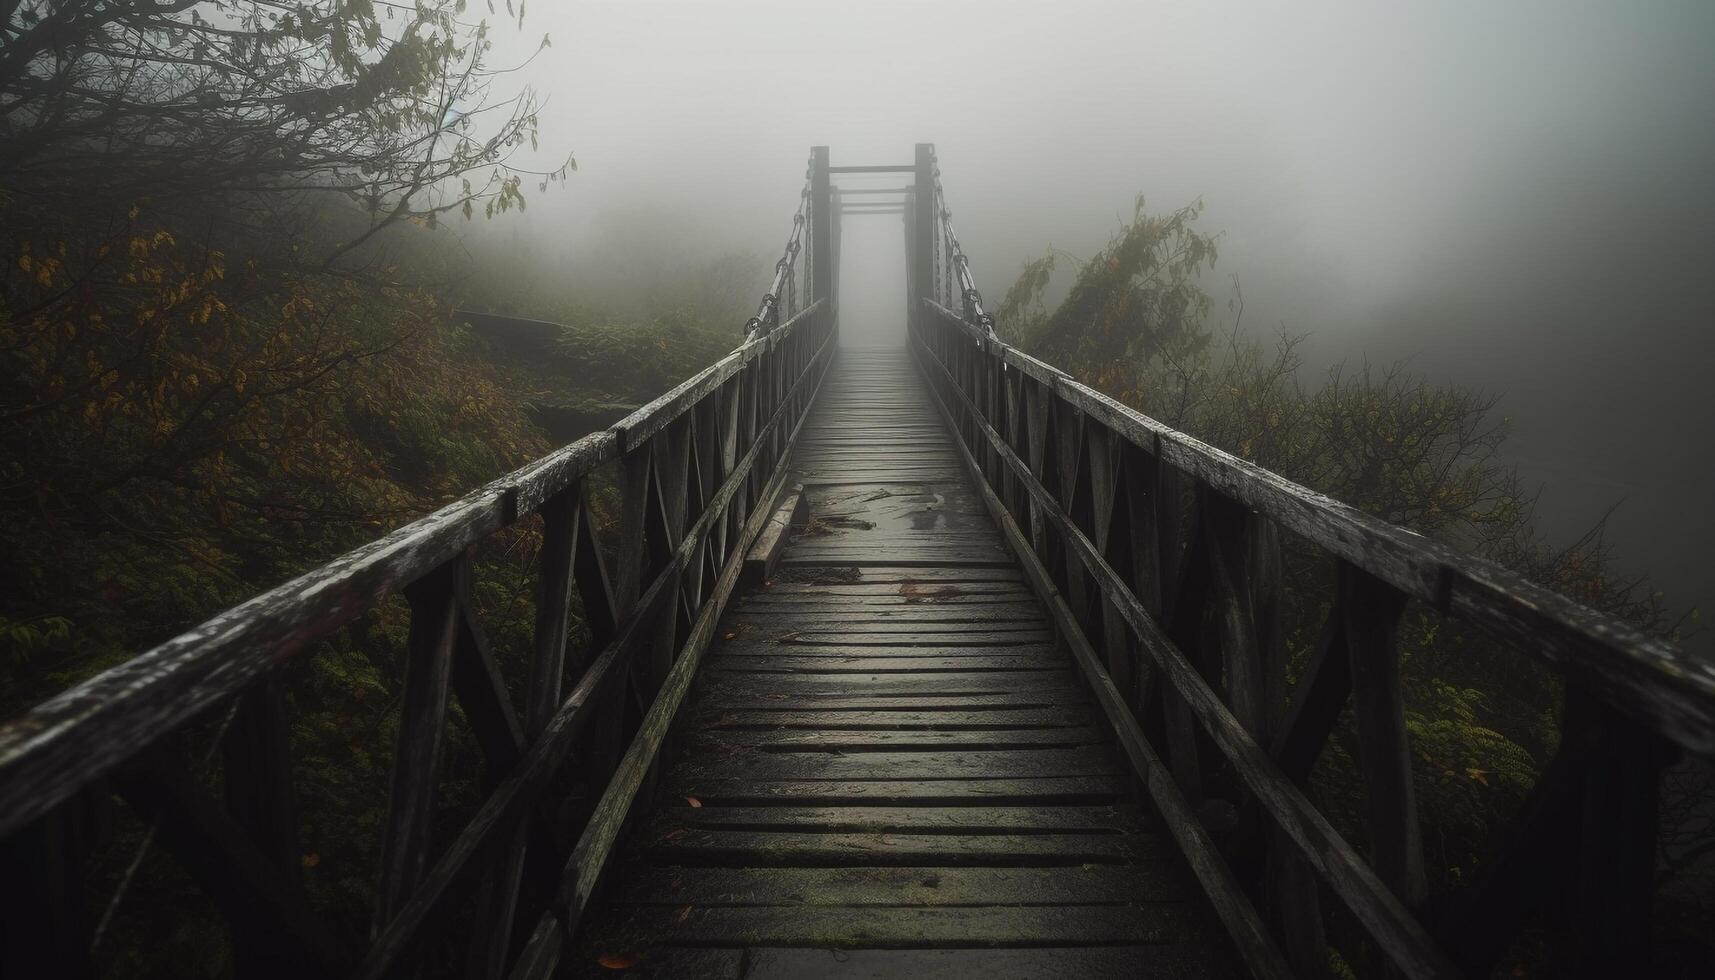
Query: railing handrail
[
  {"x": 1161, "y": 563},
  {"x": 1160, "y": 560},
  {"x": 45, "y": 755},
  {"x": 785, "y": 269},
  {"x": 1652, "y": 679},
  {"x": 958, "y": 263}
]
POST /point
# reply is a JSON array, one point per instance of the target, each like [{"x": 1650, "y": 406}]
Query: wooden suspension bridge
[{"x": 916, "y": 662}]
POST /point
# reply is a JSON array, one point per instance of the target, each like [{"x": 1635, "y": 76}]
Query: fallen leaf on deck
[
  {"x": 618, "y": 961},
  {"x": 684, "y": 913},
  {"x": 694, "y": 801}
]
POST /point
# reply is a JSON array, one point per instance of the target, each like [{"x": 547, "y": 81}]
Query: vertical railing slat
[
  {"x": 422, "y": 731},
  {"x": 257, "y": 786},
  {"x": 1372, "y": 610},
  {"x": 44, "y": 921}
]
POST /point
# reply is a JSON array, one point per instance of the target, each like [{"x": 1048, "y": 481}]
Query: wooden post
[
  {"x": 422, "y": 730},
  {"x": 834, "y": 236},
  {"x": 1372, "y": 610},
  {"x": 921, "y": 276},
  {"x": 821, "y": 228},
  {"x": 258, "y": 783},
  {"x": 44, "y": 919}
]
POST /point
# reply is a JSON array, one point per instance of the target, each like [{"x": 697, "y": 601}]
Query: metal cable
[{"x": 972, "y": 299}]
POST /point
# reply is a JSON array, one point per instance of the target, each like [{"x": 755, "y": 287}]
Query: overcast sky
[{"x": 1518, "y": 195}]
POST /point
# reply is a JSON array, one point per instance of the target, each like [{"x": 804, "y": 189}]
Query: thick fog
[{"x": 1518, "y": 196}]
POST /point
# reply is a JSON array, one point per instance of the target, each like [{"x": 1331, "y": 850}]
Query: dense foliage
[
  {"x": 215, "y": 368},
  {"x": 229, "y": 351}
]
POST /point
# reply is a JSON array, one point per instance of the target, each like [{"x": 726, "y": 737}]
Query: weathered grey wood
[
  {"x": 73, "y": 738},
  {"x": 422, "y": 729},
  {"x": 497, "y": 901},
  {"x": 859, "y": 886},
  {"x": 1175, "y": 961},
  {"x": 865, "y": 579},
  {"x": 931, "y": 927},
  {"x": 1045, "y": 684},
  {"x": 962, "y": 612},
  {"x": 755, "y": 642},
  {"x": 880, "y": 753},
  {"x": 939, "y": 639},
  {"x": 1651, "y": 679},
  {"x": 1242, "y": 923},
  {"x": 1372, "y": 609},
  {"x": 923, "y": 664},
  {"x": 562, "y": 529},
  {"x": 257, "y": 792},
  {"x": 1158, "y": 961},
  {"x": 949, "y": 720},
  {"x": 1011, "y": 764},
  {"x": 696, "y": 847},
  {"x": 44, "y": 918},
  {"x": 765, "y": 553},
  {"x": 496, "y": 820},
  {"x": 1617, "y": 841},
  {"x": 1113, "y": 820},
  {"x": 1401, "y": 935},
  {"x": 1228, "y": 529},
  {"x": 853, "y": 698},
  {"x": 588, "y": 857},
  {"x": 481, "y": 692},
  {"x": 489, "y": 825},
  {"x": 715, "y": 787}
]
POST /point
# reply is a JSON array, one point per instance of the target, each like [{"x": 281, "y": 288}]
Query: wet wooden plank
[
  {"x": 902, "y": 819},
  {"x": 991, "y": 926},
  {"x": 795, "y": 629},
  {"x": 823, "y": 740},
  {"x": 1173, "y": 961},
  {"x": 1018, "y": 763},
  {"x": 776, "y": 848},
  {"x": 780, "y": 664},
  {"x": 948, "y": 613},
  {"x": 737, "y": 697},
  {"x": 837, "y": 582},
  {"x": 948, "y": 720},
  {"x": 713, "y": 789},
  {"x": 1097, "y": 885},
  {"x": 1037, "y": 654},
  {"x": 883, "y": 685}
]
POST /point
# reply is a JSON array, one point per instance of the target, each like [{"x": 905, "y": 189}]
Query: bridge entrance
[{"x": 872, "y": 278}]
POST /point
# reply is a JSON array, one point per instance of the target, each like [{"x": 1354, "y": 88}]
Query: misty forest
[{"x": 445, "y": 532}]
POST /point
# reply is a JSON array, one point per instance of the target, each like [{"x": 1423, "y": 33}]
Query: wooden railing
[
  {"x": 694, "y": 470},
  {"x": 1160, "y": 558}
]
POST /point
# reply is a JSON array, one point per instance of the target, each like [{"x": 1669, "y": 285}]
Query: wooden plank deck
[{"x": 887, "y": 767}]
